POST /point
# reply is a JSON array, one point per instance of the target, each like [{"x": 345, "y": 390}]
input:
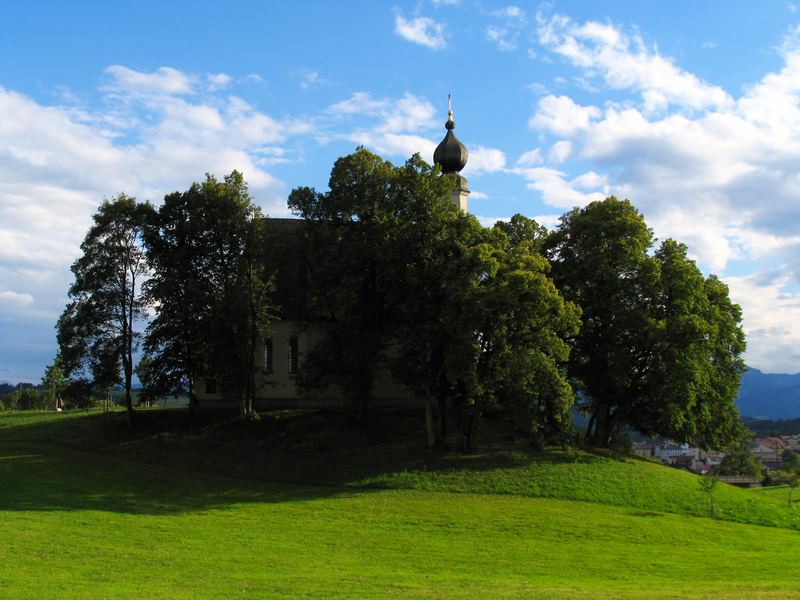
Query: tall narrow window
[
  {"x": 293, "y": 355},
  {"x": 268, "y": 355}
]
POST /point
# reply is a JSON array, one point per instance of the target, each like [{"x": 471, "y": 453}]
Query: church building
[{"x": 281, "y": 356}]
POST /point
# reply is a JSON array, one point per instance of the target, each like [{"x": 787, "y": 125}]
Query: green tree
[
  {"x": 27, "y": 398},
  {"x": 348, "y": 234},
  {"x": 443, "y": 253},
  {"x": 403, "y": 279},
  {"x": 525, "y": 335},
  {"x": 791, "y": 482},
  {"x": 175, "y": 353},
  {"x": 210, "y": 288},
  {"x": 660, "y": 346},
  {"x": 709, "y": 483},
  {"x": 740, "y": 460},
  {"x": 105, "y": 301},
  {"x": 791, "y": 461},
  {"x": 54, "y": 383}
]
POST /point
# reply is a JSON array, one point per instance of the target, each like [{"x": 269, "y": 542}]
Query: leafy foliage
[
  {"x": 660, "y": 347},
  {"x": 211, "y": 290},
  {"x": 740, "y": 460},
  {"x": 463, "y": 316},
  {"x": 96, "y": 331}
]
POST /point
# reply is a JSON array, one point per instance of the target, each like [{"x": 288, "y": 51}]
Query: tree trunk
[
  {"x": 442, "y": 441},
  {"x": 602, "y": 432},
  {"x": 470, "y": 433},
  {"x": 429, "y": 424},
  {"x": 589, "y": 433}
]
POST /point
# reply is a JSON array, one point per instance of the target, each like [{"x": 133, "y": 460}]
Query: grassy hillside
[
  {"x": 320, "y": 448},
  {"x": 114, "y": 520}
]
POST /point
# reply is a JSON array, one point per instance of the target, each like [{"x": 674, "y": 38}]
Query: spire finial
[{"x": 450, "y": 123}]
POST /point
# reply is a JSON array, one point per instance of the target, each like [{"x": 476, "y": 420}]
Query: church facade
[{"x": 281, "y": 355}]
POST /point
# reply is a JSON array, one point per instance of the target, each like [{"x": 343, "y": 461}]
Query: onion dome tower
[{"x": 451, "y": 155}]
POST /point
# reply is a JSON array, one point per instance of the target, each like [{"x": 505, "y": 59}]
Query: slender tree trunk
[
  {"x": 603, "y": 426},
  {"x": 429, "y": 424},
  {"x": 442, "y": 441},
  {"x": 589, "y": 433},
  {"x": 470, "y": 432}
]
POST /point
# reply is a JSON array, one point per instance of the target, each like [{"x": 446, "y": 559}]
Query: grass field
[{"x": 87, "y": 511}]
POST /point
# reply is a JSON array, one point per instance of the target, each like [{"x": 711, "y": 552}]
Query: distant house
[
  {"x": 644, "y": 449},
  {"x": 768, "y": 450},
  {"x": 678, "y": 455}
]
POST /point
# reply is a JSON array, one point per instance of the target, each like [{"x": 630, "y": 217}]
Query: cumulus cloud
[
  {"x": 530, "y": 158},
  {"x": 484, "y": 160},
  {"x": 562, "y": 115},
  {"x": 218, "y": 81},
  {"x": 398, "y": 123},
  {"x": 164, "y": 80},
  {"x": 15, "y": 298},
  {"x": 421, "y": 30},
  {"x": 714, "y": 171},
  {"x": 560, "y": 151},
  {"x": 773, "y": 337},
  {"x": 57, "y": 164},
  {"x": 624, "y": 61}
]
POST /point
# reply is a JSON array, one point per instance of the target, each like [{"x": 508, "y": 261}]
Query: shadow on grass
[
  {"x": 67, "y": 479},
  {"x": 177, "y": 462}
]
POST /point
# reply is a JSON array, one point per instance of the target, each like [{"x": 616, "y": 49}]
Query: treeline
[
  {"x": 55, "y": 391},
  {"x": 764, "y": 427},
  {"x": 511, "y": 319}
]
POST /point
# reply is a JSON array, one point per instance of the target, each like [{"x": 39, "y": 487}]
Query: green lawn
[{"x": 111, "y": 521}]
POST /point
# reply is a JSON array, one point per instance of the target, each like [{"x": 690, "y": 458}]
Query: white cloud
[
  {"x": 421, "y": 30},
  {"x": 359, "y": 103},
  {"x": 530, "y": 158},
  {"x": 560, "y": 151},
  {"x": 773, "y": 336},
  {"x": 409, "y": 113},
  {"x": 490, "y": 221},
  {"x": 562, "y": 115},
  {"x": 164, "y": 80},
  {"x": 309, "y": 79},
  {"x": 57, "y": 164},
  {"x": 398, "y": 123},
  {"x": 555, "y": 188},
  {"x": 395, "y": 144},
  {"x": 510, "y": 12},
  {"x": 15, "y": 298},
  {"x": 716, "y": 172},
  {"x": 625, "y": 62},
  {"x": 484, "y": 160},
  {"x": 502, "y": 37},
  {"x": 218, "y": 81}
]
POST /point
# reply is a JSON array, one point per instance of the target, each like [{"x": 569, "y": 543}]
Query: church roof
[{"x": 450, "y": 154}]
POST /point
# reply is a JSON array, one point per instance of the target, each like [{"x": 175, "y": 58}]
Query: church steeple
[{"x": 451, "y": 155}]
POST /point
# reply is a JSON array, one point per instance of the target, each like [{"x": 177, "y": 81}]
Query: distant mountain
[{"x": 769, "y": 395}]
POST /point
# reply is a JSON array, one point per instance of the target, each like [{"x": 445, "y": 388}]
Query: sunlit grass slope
[{"x": 106, "y": 524}]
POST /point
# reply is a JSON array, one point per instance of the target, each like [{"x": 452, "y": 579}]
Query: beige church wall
[{"x": 276, "y": 388}]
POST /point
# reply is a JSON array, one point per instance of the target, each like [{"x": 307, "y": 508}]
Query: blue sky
[{"x": 689, "y": 109}]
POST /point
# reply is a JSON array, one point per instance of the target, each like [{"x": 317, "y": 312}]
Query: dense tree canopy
[
  {"x": 210, "y": 288},
  {"x": 470, "y": 319},
  {"x": 463, "y": 316},
  {"x": 660, "y": 347}
]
